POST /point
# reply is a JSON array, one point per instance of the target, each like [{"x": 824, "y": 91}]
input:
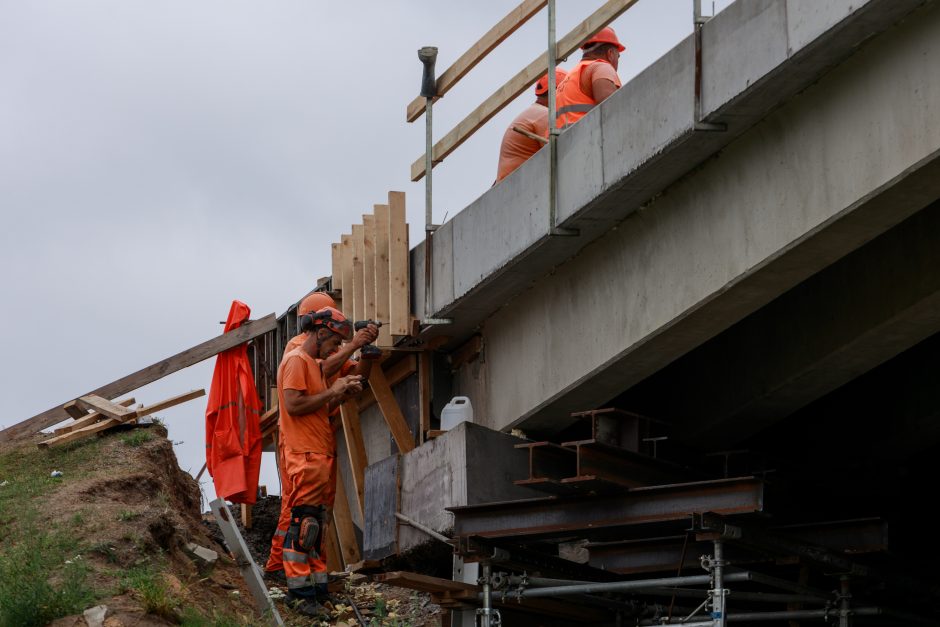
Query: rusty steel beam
[{"x": 556, "y": 516}]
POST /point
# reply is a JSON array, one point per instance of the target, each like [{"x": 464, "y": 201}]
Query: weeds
[
  {"x": 153, "y": 592},
  {"x": 126, "y": 515},
  {"x": 193, "y": 618},
  {"x": 136, "y": 437}
]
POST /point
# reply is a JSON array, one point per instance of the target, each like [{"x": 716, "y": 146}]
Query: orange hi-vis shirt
[
  {"x": 516, "y": 147},
  {"x": 572, "y": 102},
  {"x": 309, "y": 433},
  {"x": 298, "y": 340}
]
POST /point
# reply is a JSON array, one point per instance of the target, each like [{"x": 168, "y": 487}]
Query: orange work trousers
[{"x": 311, "y": 478}]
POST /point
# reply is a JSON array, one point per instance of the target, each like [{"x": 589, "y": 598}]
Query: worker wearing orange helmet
[
  {"x": 516, "y": 147},
  {"x": 335, "y": 365},
  {"x": 307, "y": 399},
  {"x": 592, "y": 80}
]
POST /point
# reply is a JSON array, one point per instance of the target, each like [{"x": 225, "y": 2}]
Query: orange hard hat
[
  {"x": 541, "y": 87},
  {"x": 605, "y": 35},
  {"x": 330, "y": 318},
  {"x": 315, "y": 302}
]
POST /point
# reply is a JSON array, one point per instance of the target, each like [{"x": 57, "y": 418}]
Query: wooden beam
[
  {"x": 334, "y": 558},
  {"x": 424, "y": 393},
  {"x": 368, "y": 266},
  {"x": 349, "y": 294},
  {"x": 336, "y": 277},
  {"x": 106, "y": 408},
  {"x": 399, "y": 265},
  {"x": 468, "y": 60},
  {"x": 606, "y": 14},
  {"x": 73, "y": 410},
  {"x": 394, "y": 375},
  {"x": 170, "y": 402},
  {"x": 467, "y": 352},
  {"x": 423, "y": 583},
  {"x": 345, "y": 529},
  {"x": 355, "y": 446},
  {"x": 89, "y": 419},
  {"x": 381, "y": 274},
  {"x": 358, "y": 287},
  {"x": 149, "y": 374},
  {"x": 391, "y": 411},
  {"x": 246, "y": 516}
]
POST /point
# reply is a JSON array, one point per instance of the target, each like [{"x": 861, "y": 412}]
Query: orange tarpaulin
[{"x": 233, "y": 437}]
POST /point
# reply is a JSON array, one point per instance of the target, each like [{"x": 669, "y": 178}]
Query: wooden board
[
  {"x": 519, "y": 83},
  {"x": 368, "y": 266},
  {"x": 149, "y": 374},
  {"x": 349, "y": 294},
  {"x": 73, "y": 410},
  {"x": 170, "y": 402},
  {"x": 358, "y": 287},
  {"x": 345, "y": 529},
  {"x": 399, "y": 265},
  {"x": 394, "y": 375},
  {"x": 355, "y": 446},
  {"x": 468, "y": 60},
  {"x": 336, "y": 251},
  {"x": 334, "y": 557},
  {"x": 424, "y": 583},
  {"x": 106, "y": 408},
  {"x": 391, "y": 411},
  {"x": 381, "y": 274},
  {"x": 380, "y": 530},
  {"x": 89, "y": 419}
]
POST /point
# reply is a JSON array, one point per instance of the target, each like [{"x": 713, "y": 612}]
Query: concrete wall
[{"x": 848, "y": 159}]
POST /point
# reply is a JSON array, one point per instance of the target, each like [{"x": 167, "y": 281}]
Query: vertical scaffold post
[
  {"x": 718, "y": 593},
  {"x": 553, "y": 131},
  {"x": 698, "y": 21}
]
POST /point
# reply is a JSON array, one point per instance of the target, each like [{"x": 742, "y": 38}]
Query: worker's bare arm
[
  {"x": 334, "y": 362},
  {"x": 298, "y": 403},
  {"x": 603, "y": 88}
]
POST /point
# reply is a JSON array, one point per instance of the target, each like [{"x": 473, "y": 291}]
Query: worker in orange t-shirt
[
  {"x": 309, "y": 305},
  {"x": 591, "y": 81},
  {"x": 306, "y": 400},
  {"x": 517, "y": 147}
]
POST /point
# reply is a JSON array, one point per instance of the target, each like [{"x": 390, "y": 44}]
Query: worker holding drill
[
  {"x": 307, "y": 447},
  {"x": 592, "y": 80}
]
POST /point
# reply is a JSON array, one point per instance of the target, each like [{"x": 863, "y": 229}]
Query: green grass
[
  {"x": 126, "y": 515},
  {"x": 136, "y": 437},
  {"x": 193, "y": 618},
  {"x": 40, "y": 577},
  {"x": 150, "y": 587}
]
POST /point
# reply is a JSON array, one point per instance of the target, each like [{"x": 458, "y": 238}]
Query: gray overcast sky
[{"x": 159, "y": 159}]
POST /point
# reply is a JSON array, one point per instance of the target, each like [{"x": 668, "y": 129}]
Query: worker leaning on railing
[{"x": 591, "y": 81}]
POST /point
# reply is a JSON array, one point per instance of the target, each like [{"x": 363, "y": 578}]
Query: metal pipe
[
  {"x": 623, "y": 586},
  {"x": 845, "y": 602},
  {"x": 420, "y": 527},
  {"x": 428, "y": 55},
  {"x": 488, "y": 617},
  {"x": 552, "y": 128},
  {"x": 741, "y": 617},
  {"x": 718, "y": 592}
]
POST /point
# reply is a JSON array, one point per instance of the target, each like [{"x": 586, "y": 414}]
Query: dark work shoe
[
  {"x": 309, "y": 608},
  {"x": 276, "y": 576}
]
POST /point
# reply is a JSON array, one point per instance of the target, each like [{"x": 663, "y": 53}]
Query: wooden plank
[
  {"x": 467, "y": 352},
  {"x": 170, "y": 402},
  {"x": 106, "y": 408},
  {"x": 468, "y": 60},
  {"x": 337, "y": 274},
  {"x": 345, "y": 530},
  {"x": 73, "y": 410},
  {"x": 334, "y": 558},
  {"x": 149, "y": 374},
  {"x": 606, "y": 14},
  {"x": 78, "y": 434},
  {"x": 399, "y": 265},
  {"x": 368, "y": 266},
  {"x": 391, "y": 411},
  {"x": 89, "y": 419},
  {"x": 423, "y": 583},
  {"x": 424, "y": 393},
  {"x": 246, "y": 516},
  {"x": 381, "y": 275},
  {"x": 349, "y": 295},
  {"x": 358, "y": 287},
  {"x": 355, "y": 446},
  {"x": 394, "y": 375},
  {"x": 268, "y": 421}
]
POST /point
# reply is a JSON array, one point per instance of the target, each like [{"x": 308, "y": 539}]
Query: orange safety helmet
[
  {"x": 605, "y": 35},
  {"x": 541, "y": 87},
  {"x": 330, "y": 318},
  {"x": 315, "y": 302}
]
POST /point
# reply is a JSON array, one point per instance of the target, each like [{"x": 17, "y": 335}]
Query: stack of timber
[
  {"x": 370, "y": 270},
  {"x": 94, "y": 414}
]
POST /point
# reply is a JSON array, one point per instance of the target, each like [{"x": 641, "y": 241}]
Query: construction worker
[
  {"x": 518, "y": 147},
  {"x": 306, "y": 400},
  {"x": 592, "y": 80},
  {"x": 338, "y": 364}
]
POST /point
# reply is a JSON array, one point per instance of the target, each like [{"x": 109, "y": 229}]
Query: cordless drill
[{"x": 369, "y": 351}]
